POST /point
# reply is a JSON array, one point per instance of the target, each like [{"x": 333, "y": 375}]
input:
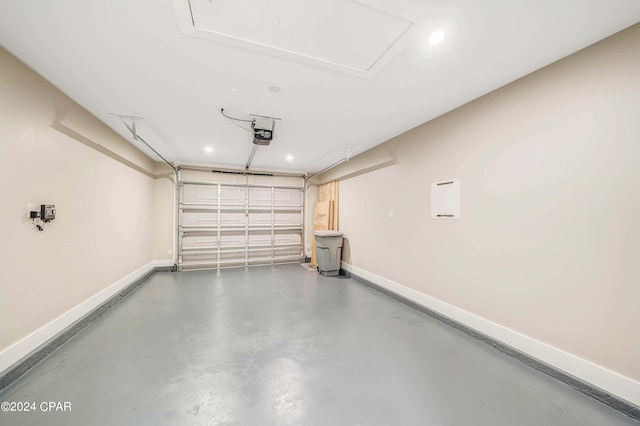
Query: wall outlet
[
  {"x": 31, "y": 207},
  {"x": 391, "y": 214}
]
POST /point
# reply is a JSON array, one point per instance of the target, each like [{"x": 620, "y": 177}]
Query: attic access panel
[{"x": 357, "y": 37}]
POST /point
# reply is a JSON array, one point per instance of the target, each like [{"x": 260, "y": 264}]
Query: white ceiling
[{"x": 138, "y": 58}]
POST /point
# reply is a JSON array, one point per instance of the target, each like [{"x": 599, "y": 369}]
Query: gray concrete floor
[{"x": 282, "y": 345}]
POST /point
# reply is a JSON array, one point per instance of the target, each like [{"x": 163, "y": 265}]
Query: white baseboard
[
  {"x": 607, "y": 380},
  {"x": 16, "y": 352},
  {"x": 162, "y": 263}
]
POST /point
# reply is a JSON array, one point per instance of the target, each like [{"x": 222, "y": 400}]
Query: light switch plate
[{"x": 31, "y": 207}]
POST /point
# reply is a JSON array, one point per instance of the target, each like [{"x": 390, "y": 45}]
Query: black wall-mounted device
[{"x": 47, "y": 212}]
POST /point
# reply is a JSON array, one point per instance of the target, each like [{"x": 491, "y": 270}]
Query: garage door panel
[
  {"x": 200, "y": 218},
  {"x": 287, "y": 197},
  {"x": 238, "y": 226},
  {"x": 287, "y": 238},
  {"x": 232, "y": 195},
  {"x": 200, "y": 194},
  {"x": 195, "y": 241},
  {"x": 232, "y": 239},
  {"x": 292, "y": 219},
  {"x": 231, "y": 256},
  {"x": 210, "y": 259},
  {"x": 288, "y": 252},
  {"x": 260, "y": 218},
  {"x": 260, "y": 254},
  {"x": 260, "y": 196},
  {"x": 206, "y": 257},
  {"x": 232, "y": 218},
  {"x": 259, "y": 238}
]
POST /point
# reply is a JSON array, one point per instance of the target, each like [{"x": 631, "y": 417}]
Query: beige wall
[
  {"x": 52, "y": 151},
  {"x": 311, "y": 198},
  {"x": 549, "y": 238},
  {"x": 163, "y": 213}
]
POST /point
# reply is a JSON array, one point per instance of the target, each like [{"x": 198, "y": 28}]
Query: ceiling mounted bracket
[
  {"x": 351, "y": 149},
  {"x": 132, "y": 128}
]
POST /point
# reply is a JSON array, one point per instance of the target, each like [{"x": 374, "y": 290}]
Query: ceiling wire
[
  {"x": 235, "y": 120},
  {"x": 243, "y": 128}
]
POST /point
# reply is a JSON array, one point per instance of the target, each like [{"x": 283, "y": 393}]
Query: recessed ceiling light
[
  {"x": 208, "y": 149},
  {"x": 289, "y": 157},
  {"x": 274, "y": 89},
  {"x": 436, "y": 37}
]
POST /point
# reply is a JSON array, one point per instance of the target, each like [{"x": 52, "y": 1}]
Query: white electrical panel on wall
[{"x": 445, "y": 199}]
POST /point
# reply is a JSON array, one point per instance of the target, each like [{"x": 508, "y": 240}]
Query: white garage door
[{"x": 227, "y": 225}]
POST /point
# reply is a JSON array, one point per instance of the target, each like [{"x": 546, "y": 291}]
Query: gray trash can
[{"x": 328, "y": 252}]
